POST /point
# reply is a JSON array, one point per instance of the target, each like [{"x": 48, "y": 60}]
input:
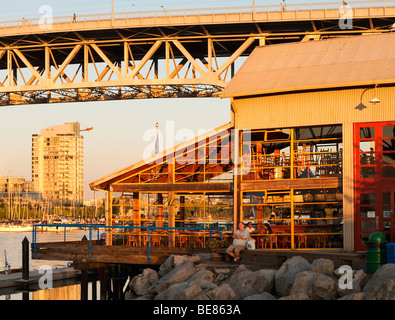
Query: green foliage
[{"x": 215, "y": 244}]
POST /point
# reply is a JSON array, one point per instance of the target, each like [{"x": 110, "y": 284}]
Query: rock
[
  {"x": 302, "y": 285},
  {"x": 202, "y": 274},
  {"x": 385, "y": 291},
  {"x": 178, "y": 274},
  {"x": 179, "y": 291},
  {"x": 285, "y": 276},
  {"x": 324, "y": 266},
  {"x": 261, "y": 296},
  {"x": 222, "y": 292},
  {"x": 313, "y": 285},
  {"x": 354, "y": 296},
  {"x": 358, "y": 282},
  {"x": 141, "y": 283},
  {"x": 379, "y": 282},
  {"x": 175, "y": 260},
  {"x": 324, "y": 287},
  {"x": 247, "y": 283},
  {"x": 224, "y": 271}
]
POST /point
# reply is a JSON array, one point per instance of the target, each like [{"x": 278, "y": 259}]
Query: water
[{"x": 12, "y": 243}]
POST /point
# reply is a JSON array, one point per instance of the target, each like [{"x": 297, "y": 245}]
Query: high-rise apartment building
[{"x": 57, "y": 164}]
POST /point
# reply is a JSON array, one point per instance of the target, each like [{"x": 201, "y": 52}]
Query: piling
[{"x": 25, "y": 259}]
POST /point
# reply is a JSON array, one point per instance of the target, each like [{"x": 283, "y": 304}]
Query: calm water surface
[{"x": 11, "y": 245}]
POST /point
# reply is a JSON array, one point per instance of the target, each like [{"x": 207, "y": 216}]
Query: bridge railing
[
  {"x": 98, "y": 227},
  {"x": 197, "y": 12}
]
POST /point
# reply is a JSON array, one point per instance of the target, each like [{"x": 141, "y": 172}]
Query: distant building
[{"x": 57, "y": 164}]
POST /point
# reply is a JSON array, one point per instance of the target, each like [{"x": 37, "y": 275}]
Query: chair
[
  {"x": 269, "y": 239},
  {"x": 302, "y": 241}
]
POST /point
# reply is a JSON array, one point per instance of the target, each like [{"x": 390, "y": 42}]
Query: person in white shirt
[
  {"x": 240, "y": 238},
  {"x": 250, "y": 228}
]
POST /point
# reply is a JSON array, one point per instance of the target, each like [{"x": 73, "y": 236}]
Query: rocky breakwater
[{"x": 190, "y": 278}]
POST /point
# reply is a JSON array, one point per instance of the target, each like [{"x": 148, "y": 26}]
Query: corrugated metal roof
[{"x": 339, "y": 62}]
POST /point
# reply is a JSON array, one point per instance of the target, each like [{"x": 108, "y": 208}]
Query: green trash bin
[{"x": 376, "y": 252}]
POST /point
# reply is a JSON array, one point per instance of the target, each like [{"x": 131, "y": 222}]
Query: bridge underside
[{"x": 196, "y": 60}]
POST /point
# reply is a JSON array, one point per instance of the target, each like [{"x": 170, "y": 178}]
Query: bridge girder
[{"x": 147, "y": 62}]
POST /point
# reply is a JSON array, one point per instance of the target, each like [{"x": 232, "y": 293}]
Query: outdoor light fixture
[
  {"x": 392, "y": 27},
  {"x": 375, "y": 100}
]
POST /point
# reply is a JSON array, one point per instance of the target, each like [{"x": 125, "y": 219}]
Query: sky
[{"x": 117, "y": 139}]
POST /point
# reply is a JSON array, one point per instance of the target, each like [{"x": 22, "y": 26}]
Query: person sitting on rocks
[{"x": 240, "y": 238}]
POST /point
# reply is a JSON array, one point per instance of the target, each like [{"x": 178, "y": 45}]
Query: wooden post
[
  {"x": 103, "y": 283},
  {"x": 25, "y": 259},
  {"x": 84, "y": 284},
  {"x": 170, "y": 207},
  {"x": 160, "y": 210}
]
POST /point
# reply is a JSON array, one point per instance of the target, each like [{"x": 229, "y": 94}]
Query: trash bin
[
  {"x": 390, "y": 252},
  {"x": 376, "y": 252}
]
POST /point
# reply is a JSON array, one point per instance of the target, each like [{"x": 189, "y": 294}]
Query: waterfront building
[
  {"x": 57, "y": 164},
  {"x": 310, "y": 150}
]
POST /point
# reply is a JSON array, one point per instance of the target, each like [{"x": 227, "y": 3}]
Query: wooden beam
[
  {"x": 175, "y": 187},
  {"x": 290, "y": 184}
]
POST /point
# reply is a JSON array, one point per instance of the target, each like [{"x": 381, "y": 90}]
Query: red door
[{"x": 374, "y": 180}]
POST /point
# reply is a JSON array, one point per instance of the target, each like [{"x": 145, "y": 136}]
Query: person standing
[
  {"x": 240, "y": 238},
  {"x": 283, "y": 6}
]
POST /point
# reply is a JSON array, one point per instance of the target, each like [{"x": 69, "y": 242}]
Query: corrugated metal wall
[
  {"x": 314, "y": 108},
  {"x": 321, "y": 108}
]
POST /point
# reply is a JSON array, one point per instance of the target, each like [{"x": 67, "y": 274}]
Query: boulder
[
  {"x": 141, "y": 283},
  {"x": 324, "y": 266},
  {"x": 178, "y": 274},
  {"x": 381, "y": 285},
  {"x": 313, "y": 285},
  {"x": 202, "y": 274},
  {"x": 179, "y": 291},
  {"x": 354, "y": 296},
  {"x": 359, "y": 280},
  {"x": 285, "y": 276},
  {"x": 324, "y": 287},
  {"x": 222, "y": 292},
  {"x": 301, "y": 288},
  {"x": 261, "y": 296}
]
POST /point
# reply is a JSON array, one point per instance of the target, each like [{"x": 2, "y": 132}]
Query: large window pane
[
  {"x": 389, "y": 172},
  {"x": 365, "y": 133},
  {"x": 389, "y": 132},
  {"x": 367, "y": 198}
]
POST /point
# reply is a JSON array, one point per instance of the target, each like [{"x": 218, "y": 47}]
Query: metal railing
[
  {"x": 97, "y": 227},
  {"x": 176, "y": 13}
]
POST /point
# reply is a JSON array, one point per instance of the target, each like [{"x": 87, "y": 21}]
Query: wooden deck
[
  {"x": 78, "y": 252},
  {"x": 339, "y": 256}
]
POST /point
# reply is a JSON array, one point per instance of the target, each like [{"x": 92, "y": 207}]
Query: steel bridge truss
[{"x": 146, "y": 62}]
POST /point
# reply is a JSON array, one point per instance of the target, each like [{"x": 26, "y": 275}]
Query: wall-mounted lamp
[{"x": 375, "y": 100}]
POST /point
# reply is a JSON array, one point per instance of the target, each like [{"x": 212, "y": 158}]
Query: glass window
[
  {"x": 389, "y": 132},
  {"x": 389, "y": 145},
  {"x": 367, "y": 212},
  {"x": 367, "y": 198},
  {"x": 365, "y": 133},
  {"x": 366, "y": 146},
  {"x": 389, "y": 158},
  {"x": 367, "y": 172},
  {"x": 389, "y": 172}
]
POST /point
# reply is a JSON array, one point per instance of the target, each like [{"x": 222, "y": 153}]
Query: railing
[
  {"x": 97, "y": 227},
  {"x": 197, "y": 12}
]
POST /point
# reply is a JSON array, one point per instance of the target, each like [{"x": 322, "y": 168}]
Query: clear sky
[{"x": 119, "y": 126}]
